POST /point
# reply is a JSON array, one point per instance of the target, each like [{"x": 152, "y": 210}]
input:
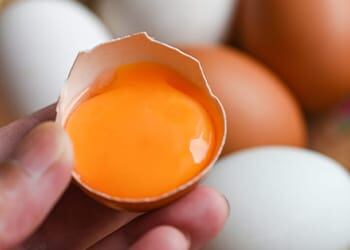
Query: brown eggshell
[
  {"x": 95, "y": 68},
  {"x": 141, "y": 206},
  {"x": 259, "y": 109},
  {"x": 305, "y": 42}
]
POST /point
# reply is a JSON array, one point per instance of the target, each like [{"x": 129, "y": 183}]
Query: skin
[{"x": 40, "y": 209}]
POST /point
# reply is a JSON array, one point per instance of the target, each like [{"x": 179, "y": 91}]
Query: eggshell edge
[{"x": 77, "y": 86}]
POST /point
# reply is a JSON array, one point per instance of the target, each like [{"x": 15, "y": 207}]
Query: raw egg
[
  {"x": 305, "y": 42},
  {"x": 144, "y": 124},
  {"x": 260, "y": 110}
]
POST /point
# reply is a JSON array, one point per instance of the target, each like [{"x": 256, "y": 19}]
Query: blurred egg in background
[
  {"x": 305, "y": 42},
  {"x": 283, "y": 198},
  {"x": 330, "y": 134},
  {"x": 260, "y": 109},
  {"x": 180, "y": 21},
  {"x": 38, "y": 43}
]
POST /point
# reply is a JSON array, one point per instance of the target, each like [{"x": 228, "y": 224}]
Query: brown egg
[
  {"x": 305, "y": 42},
  {"x": 260, "y": 110}
]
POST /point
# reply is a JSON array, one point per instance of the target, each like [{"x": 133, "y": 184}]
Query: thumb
[{"x": 32, "y": 180}]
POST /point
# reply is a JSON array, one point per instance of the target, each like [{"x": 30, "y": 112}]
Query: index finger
[{"x": 11, "y": 134}]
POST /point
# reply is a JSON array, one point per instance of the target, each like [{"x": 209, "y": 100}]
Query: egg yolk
[{"x": 145, "y": 134}]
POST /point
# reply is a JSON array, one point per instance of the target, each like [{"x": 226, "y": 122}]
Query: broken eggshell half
[{"x": 96, "y": 67}]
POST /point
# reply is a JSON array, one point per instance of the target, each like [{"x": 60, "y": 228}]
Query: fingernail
[
  {"x": 44, "y": 146},
  {"x": 227, "y": 204}
]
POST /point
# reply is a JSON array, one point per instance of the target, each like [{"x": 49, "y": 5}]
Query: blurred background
[{"x": 281, "y": 69}]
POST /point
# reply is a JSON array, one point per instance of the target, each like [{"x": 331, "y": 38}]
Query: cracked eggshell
[{"x": 95, "y": 67}]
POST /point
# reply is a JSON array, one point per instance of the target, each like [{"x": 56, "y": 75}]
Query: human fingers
[
  {"x": 31, "y": 181},
  {"x": 200, "y": 215},
  {"x": 11, "y": 134},
  {"x": 162, "y": 237}
]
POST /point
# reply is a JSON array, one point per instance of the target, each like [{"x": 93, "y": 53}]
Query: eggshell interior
[{"x": 95, "y": 67}]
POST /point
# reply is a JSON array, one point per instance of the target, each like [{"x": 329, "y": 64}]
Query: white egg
[
  {"x": 39, "y": 41},
  {"x": 283, "y": 198},
  {"x": 179, "y": 21}
]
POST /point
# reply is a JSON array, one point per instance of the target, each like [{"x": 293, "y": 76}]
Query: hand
[{"x": 35, "y": 171}]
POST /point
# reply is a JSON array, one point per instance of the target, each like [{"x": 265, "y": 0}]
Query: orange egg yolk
[{"x": 145, "y": 134}]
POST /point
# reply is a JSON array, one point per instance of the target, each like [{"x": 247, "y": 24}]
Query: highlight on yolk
[{"x": 144, "y": 134}]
